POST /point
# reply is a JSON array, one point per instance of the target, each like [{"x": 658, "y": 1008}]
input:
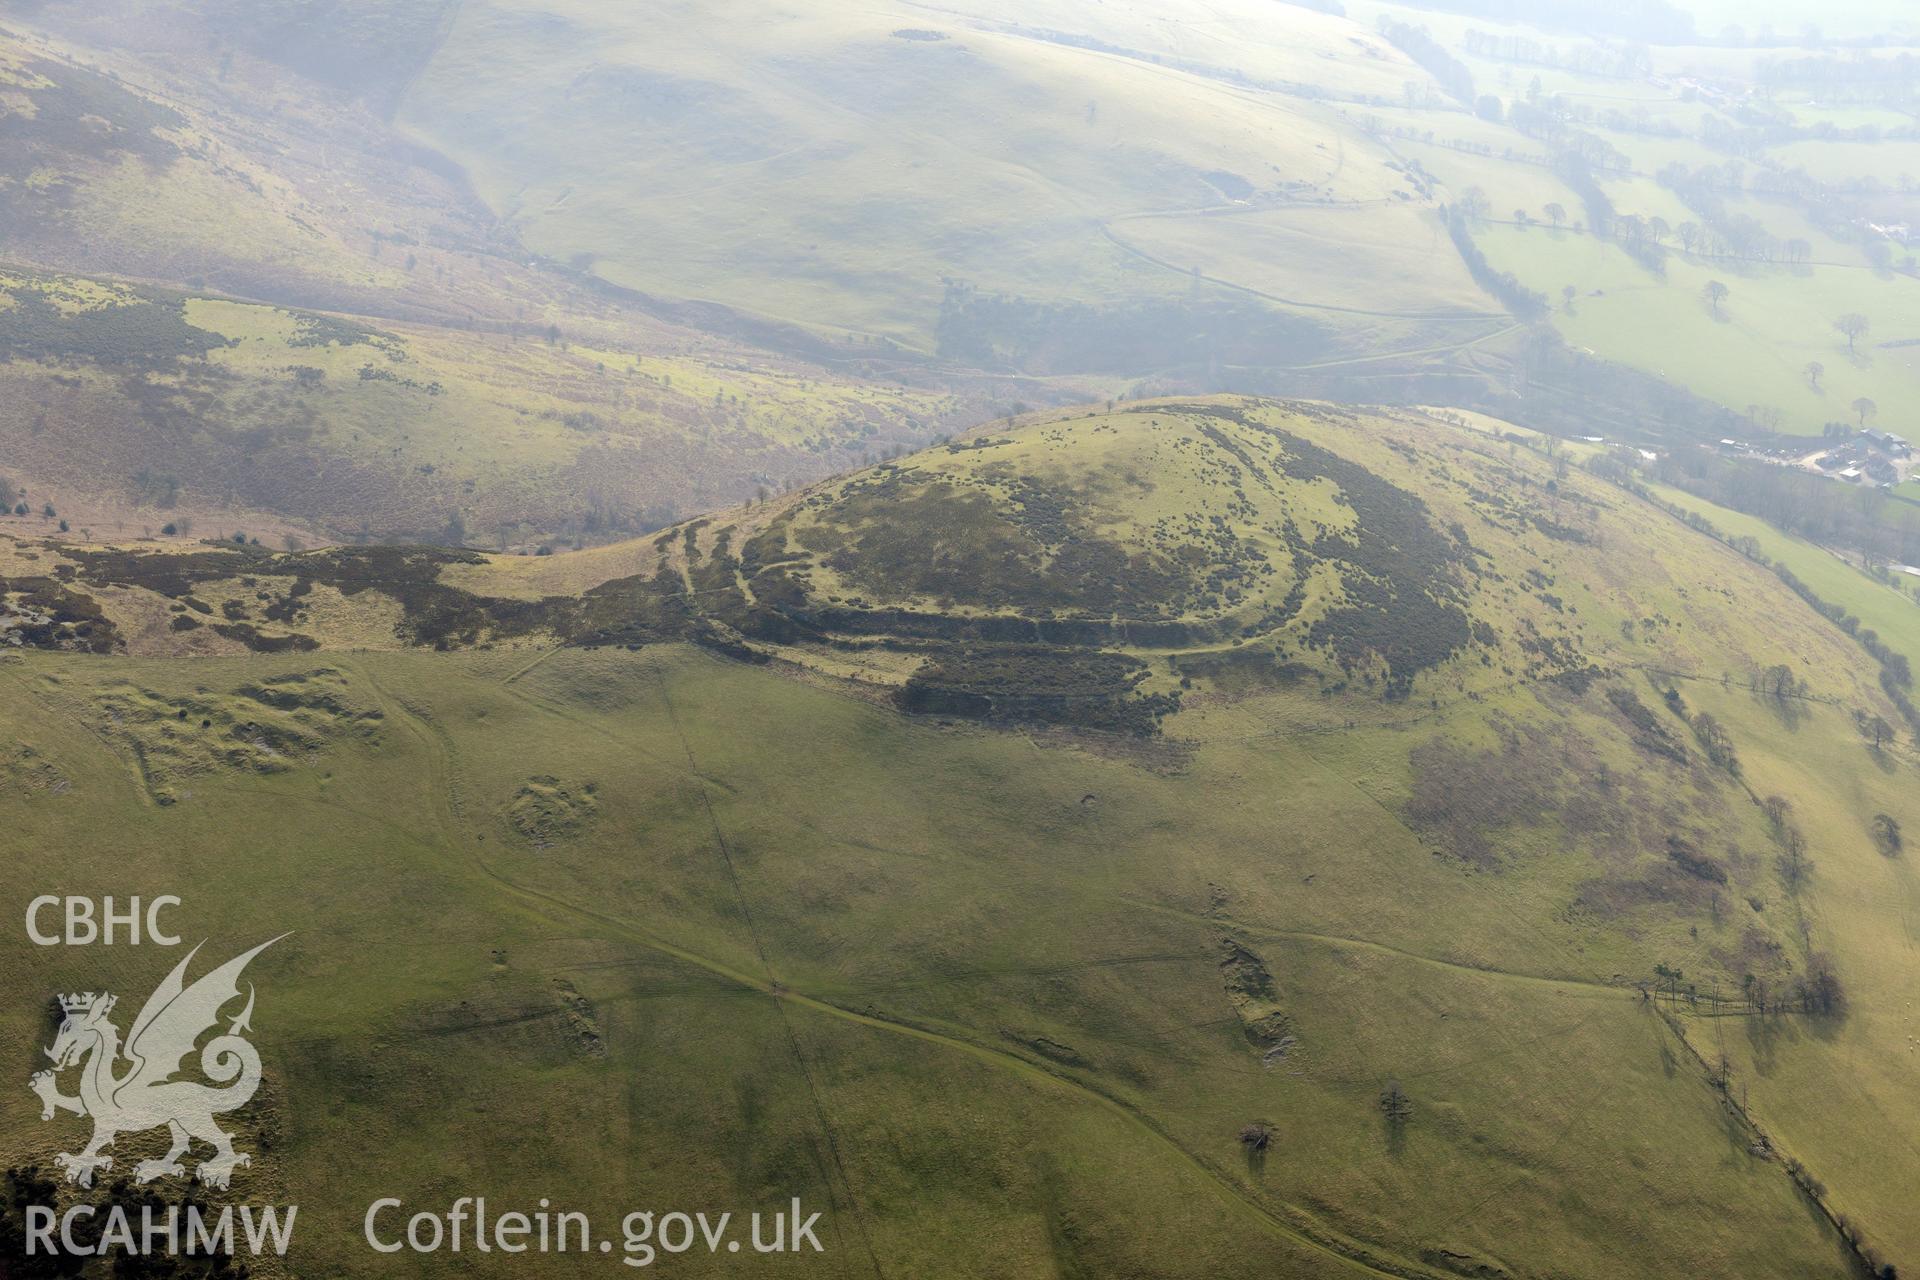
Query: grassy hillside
[
  {"x": 133, "y": 408},
  {"x": 237, "y": 301},
  {"x": 1064, "y": 889},
  {"x": 1096, "y": 185},
  {"x": 836, "y": 168},
  {"x": 106, "y": 173},
  {"x": 1887, "y": 610},
  {"x": 1245, "y": 197}
]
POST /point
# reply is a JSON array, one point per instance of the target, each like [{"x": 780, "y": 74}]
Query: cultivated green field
[
  {"x": 1754, "y": 352},
  {"x": 1676, "y": 111}
]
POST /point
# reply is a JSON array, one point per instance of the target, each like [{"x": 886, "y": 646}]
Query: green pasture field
[
  {"x": 1774, "y": 323},
  {"x": 1392, "y": 259}
]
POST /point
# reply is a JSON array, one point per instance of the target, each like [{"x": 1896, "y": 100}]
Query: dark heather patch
[
  {"x": 1402, "y": 572},
  {"x": 146, "y": 331},
  {"x": 40, "y": 613},
  {"x": 1088, "y": 689}
]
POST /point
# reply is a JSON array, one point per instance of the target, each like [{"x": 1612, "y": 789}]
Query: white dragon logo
[{"x": 146, "y": 1095}]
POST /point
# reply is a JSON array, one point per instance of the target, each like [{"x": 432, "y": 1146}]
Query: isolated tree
[
  {"x": 1853, "y": 326},
  {"x": 1878, "y": 731},
  {"x": 1778, "y": 681},
  {"x": 1777, "y": 809},
  {"x": 1815, "y": 370},
  {"x": 1822, "y": 993},
  {"x": 1886, "y": 833},
  {"x": 1556, "y": 214},
  {"x": 1568, "y": 293},
  {"x": 1256, "y": 1137},
  {"x": 1863, "y": 409},
  {"x": 1715, "y": 294},
  {"x": 1395, "y": 1105}
]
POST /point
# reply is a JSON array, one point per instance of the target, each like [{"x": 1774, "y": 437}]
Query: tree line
[
  {"x": 1418, "y": 43},
  {"x": 1896, "y": 673},
  {"x": 1528, "y": 304}
]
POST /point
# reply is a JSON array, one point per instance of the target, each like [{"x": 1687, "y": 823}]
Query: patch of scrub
[
  {"x": 1251, "y": 992},
  {"x": 546, "y": 809},
  {"x": 265, "y": 726}
]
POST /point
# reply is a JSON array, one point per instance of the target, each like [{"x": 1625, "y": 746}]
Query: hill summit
[{"x": 1525, "y": 928}]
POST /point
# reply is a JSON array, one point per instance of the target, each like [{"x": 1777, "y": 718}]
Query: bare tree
[
  {"x": 1853, "y": 326},
  {"x": 1717, "y": 742},
  {"x": 1778, "y": 809},
  {"x": 1794, "y": 863}
]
